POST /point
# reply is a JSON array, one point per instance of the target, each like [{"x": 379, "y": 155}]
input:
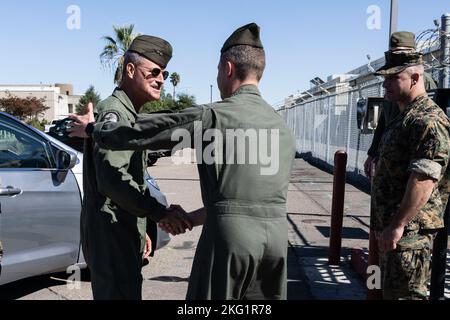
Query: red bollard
[
  {"x": 373, "y": 260},
  {"x": 337, "y": 210}
]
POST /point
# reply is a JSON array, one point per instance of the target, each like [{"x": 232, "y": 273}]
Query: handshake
[{"x": 177, "y": 220}]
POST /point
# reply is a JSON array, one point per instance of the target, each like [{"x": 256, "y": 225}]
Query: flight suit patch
[{"x": 111, "y": 117}]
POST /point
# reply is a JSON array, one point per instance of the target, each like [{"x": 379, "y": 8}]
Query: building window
[
  {"x": 67, "y": 93},
  {"x": 70, "y": 108}
]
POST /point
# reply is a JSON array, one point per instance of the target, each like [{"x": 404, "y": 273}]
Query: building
[
  {"x": 59, "y": 98},
  {"x": 355, "y": 79}
]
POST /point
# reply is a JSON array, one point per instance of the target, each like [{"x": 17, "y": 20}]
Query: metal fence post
[
  {"x": 314, "y": 130},
  {"x": 327, "y": 156},
  {"x": 304, "y": 127},
  {"x": 337, "y": 210},
  {"x": 445, "y": 51},
  {"x": 294, "y": 114},
  {"x": 440, "y": 245},
  {"x": 296, "y": 127},
  {"x": 349, "y": 122}
]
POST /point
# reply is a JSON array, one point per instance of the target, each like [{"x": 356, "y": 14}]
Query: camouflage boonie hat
[
  {"x": 153, "y": 48},
  {"x": 402, "y": 40},
  {"x": 396, "y": 62},
  {"x": 247, "y": 35}
]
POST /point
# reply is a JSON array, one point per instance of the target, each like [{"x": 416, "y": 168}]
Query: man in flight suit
[
  {"x": 116, "y": 200},
  {"x": 242, "y": 252}
]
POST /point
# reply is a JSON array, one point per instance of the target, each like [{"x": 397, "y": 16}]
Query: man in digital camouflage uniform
[
  {"x": 411, "y": 184},
  {"x": 242, "y": 252},
  {"x": 399, "y": 41},
  {"x": 116, "y": 200}
]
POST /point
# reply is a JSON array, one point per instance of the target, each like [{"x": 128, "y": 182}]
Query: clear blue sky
[{"x": 303, "y": 39}]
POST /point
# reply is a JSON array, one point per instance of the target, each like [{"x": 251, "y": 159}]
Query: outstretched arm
[{"x": 151, "y": 131}]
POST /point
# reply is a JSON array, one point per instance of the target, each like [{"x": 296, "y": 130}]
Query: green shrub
[{"x": 40, "y": 125}]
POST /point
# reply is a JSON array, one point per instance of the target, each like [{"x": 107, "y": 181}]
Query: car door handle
[{"x": 10, "y": 192}]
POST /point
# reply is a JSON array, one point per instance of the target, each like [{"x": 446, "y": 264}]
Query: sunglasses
[{"x": 156, "y": 72}]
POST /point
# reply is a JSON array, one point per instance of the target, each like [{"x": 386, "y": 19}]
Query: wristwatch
[{"x": 90, "y": 128}]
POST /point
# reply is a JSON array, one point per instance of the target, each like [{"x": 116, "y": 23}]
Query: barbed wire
[
  {"x": 425, "y": 42},
  {"x": 430, "y": 38}
]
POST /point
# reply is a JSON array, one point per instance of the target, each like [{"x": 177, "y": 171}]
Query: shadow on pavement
[
  {"x": 347, "y": 233},
  {"x": 169, "y": 279},
  {"x": 297, "y": 288},
  {"x": 21, "y": 288}
]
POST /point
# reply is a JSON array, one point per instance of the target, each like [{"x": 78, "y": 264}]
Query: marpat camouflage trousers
[{"x": 406, "y": 271}]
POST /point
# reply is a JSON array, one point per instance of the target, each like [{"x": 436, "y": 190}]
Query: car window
[{"x": 20, "y": 149}]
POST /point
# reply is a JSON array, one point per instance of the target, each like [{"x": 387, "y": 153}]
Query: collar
[
  {"x": 414, "y": 103},
  {"x": 247, "y": 89},
  {"x": 125, "y": 100}
]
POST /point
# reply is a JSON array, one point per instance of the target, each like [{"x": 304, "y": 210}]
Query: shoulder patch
[{"x": 111, "y": 117}]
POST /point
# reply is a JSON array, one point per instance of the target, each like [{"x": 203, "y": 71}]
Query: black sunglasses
[{"x": 155, "y": 72}]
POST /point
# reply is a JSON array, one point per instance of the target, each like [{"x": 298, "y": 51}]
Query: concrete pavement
[
  {"x": 309, "y": 208},
  {"x": 309, "y": 215},
  {"x": 309, "y": 276}
]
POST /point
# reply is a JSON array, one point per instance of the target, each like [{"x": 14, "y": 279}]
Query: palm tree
[
  {"x": 115, "y": 48},
  {"x": 175, "y": 80}
]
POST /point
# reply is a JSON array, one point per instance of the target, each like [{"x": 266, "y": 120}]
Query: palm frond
[{"x": 115, "y": 48}]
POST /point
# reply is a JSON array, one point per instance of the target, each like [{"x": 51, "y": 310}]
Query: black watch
[{"x": 90, "y": 128}]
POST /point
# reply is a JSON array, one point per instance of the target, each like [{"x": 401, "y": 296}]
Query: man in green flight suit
[
  {"x": 242, "y": 252},
  {"x": 116, "y": 201}
]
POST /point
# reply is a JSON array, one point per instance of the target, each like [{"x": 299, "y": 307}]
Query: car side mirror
[{"x": 64, "y": 162}]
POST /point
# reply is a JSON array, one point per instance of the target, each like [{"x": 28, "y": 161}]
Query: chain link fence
[{"x": 328, "y": 123}]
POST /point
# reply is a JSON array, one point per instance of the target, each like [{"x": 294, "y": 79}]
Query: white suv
[{"x": 40, "y": 203}]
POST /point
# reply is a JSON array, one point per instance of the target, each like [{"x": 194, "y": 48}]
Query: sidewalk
[{"x": 309, "y": 208}]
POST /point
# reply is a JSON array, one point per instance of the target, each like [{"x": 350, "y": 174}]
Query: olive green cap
[
  {"x": 153, "y": 48},
  {"x": 402, "y": 39},
  {"x": 247, "y": 35},
  {"x": 396, "y": 62}
]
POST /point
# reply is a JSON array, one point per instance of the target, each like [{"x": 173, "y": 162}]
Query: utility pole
[
  {"x": 445, "y": 52},
  {"x": 394, "y": 17}
]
